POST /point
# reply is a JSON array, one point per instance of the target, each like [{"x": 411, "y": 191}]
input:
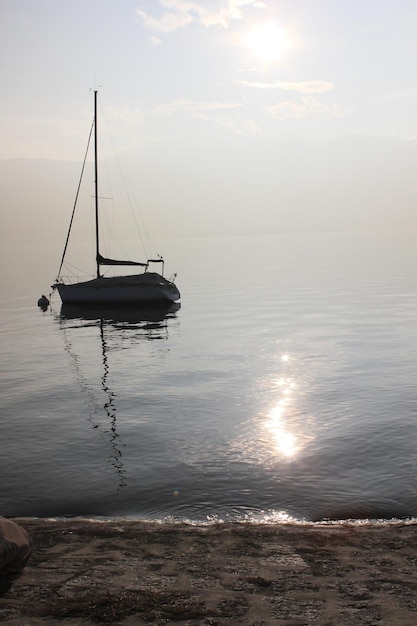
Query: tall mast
[{"x": 96, "y": 182}]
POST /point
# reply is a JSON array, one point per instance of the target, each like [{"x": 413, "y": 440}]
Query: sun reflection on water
[
  {"x": 283, "y": 440},
  {"x": 278, "y": 431}
]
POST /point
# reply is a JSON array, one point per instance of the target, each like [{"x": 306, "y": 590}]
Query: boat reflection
[
  {"x": 114, "y": 325},
  {"x": 130, "y": 315}
]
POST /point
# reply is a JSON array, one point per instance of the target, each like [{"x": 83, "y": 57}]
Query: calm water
[{"x": 285, "y": 385}]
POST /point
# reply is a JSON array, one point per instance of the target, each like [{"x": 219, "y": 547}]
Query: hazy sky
[{"x": 225, "y": 109}]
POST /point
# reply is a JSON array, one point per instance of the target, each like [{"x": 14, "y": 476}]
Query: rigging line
[
  {"x": 129, "y": 192},
  {"x": 76, "y": 199}
]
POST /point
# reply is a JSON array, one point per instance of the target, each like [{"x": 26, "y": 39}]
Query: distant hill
[
  {"x": 252, "y": 186},
  {"x": 36, "y": 197}
]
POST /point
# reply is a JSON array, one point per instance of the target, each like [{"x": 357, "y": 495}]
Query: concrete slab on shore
[{"x": 131, "y": 573}]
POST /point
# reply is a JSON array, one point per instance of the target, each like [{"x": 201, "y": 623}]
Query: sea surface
[{"x": 283, "y": 387}]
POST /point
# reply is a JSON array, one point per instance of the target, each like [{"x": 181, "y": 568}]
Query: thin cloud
[
  {"x": 237, "y": 126},
  {"x": 168, "y": 23},
  {"x": 181, "y": 13},
  {"x": 187, "y": 105},
  {"x": 308, "y": 107},
  {"x": 210, "y": 112},
  {"x": 307, "y": 86},
  {"x": 131, "y": 116}
]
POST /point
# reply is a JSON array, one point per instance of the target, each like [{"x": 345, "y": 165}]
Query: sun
[{"x": 267, "y": 41}]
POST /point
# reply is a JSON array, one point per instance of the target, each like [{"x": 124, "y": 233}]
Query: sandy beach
[{"x": 133, "y": 573}]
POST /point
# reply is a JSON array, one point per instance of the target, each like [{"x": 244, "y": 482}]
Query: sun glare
[
  {"x": 285, "y": 442},
  {"x": 267, "y": 41}
]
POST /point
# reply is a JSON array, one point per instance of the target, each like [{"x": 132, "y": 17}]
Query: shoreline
[
  {"x": 134, "y": 572},
  {"x": 261, "y": 521}
]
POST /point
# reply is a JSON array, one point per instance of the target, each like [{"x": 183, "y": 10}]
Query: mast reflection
[
  {"x": 110, "y": 409},
  {"x": 143, "y": 324}
]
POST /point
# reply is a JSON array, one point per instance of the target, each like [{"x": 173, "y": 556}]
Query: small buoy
[{"x": 43, "y": 302}]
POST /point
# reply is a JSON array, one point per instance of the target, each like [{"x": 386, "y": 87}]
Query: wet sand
[{"x": 134, "y": 573}]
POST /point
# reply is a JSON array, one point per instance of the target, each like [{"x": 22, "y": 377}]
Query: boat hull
[
  {"x": 119, "y": 291},
  {"x": 145, "y": 313}
]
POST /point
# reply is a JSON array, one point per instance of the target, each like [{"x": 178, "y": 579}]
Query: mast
[{"x": 96, "y": 183}]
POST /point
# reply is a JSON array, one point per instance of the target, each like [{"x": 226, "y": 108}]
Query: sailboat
[{"x": 145, "y": 288}]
